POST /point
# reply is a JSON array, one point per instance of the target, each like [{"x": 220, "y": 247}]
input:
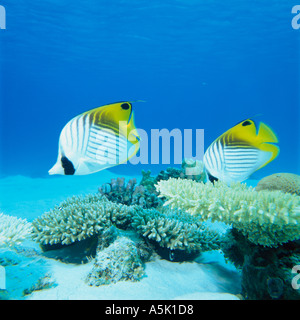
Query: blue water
[{"x": 197, "y": 64}]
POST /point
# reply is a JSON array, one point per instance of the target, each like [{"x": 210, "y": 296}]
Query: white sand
[
  {"x": 165, "y": 280},
  {"x": 209, "y": 277}
]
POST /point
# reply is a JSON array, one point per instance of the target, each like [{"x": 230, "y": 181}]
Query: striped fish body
[
  {"x": 240, "y": 151},
  {"x": 97, "y": 139}
]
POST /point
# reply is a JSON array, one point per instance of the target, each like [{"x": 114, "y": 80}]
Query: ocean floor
[{"x": 207, "y": 277}]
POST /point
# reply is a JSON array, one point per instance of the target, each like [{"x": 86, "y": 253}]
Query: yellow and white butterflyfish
[
  {"x": 240, "y": 151},
  {"x": 96, "y": 140}
]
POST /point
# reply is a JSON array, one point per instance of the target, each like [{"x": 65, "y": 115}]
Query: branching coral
[
  {"x": 13, "y": 230},
  {"x": 144, "y": 194},
  {"x": 175, "y": 230},
  {"x": 78, "y": 218},
  {"x": 82, "y": 218},
  {"x": 268, "y": 218},
  {"x": 130, "y": 193}
]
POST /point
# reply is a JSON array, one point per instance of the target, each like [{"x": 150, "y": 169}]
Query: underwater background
[
  {"x": 184, "y": 64},
  {"x": 197, "y": 64}
]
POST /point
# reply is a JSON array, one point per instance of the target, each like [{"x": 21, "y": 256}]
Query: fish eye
[
  {"x": 125, "y": 106},
  {"x": 246, "y": 123}
]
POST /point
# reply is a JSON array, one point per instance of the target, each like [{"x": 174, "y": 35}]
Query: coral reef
[
  {"x": 13, "y": 230},
  {"x": 72, "y": 230},
  {"x": 148, "y": 181},
  {"x": 77, "y": 252},
  {"x": 169, "y": 173},
  {"x": 268, "y": 218},
  {"x": 190, "y": 169},
  {"x": 193, "y": 169},
  {"x": 266, "y": 272},
  {"x": 286, "y": 182},
  {"x": 175, "y": 230},
  {"x": 119, "y": 261},
  {"x": 78, "y": 218},
  {"x": 144, "y": 194},
  {"x": 118, "y": 191},
  {"x": 131, "y": 193}
]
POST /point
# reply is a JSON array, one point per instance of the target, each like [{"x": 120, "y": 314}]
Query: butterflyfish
[
  {"x": 96, "y": 140},
  {"x": 240, "y": 151}
]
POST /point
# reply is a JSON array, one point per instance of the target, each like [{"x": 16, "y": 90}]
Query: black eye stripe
[{"x": 67, "y": 165}]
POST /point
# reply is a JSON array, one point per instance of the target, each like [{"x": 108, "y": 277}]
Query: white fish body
[
  {"x": 240, "y": 151},
  {"x": 92, "y": 142},
  {"x": 230, "y": 164}
]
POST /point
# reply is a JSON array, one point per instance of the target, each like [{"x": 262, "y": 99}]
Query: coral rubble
[{"x": 119, "y": 261}]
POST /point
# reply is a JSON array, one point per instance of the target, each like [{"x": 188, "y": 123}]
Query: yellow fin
[{"x": 266, "y": 134}]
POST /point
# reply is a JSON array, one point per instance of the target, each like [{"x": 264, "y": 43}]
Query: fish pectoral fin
[{"x": 56, "y": 169}]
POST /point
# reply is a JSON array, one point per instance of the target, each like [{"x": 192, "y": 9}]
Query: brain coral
[
  {"x": 78, "y": 218},
  {"x": 13, "y": 230},
  {"x": 286, "y": 182},
  {"x": 268, "y": 218}
]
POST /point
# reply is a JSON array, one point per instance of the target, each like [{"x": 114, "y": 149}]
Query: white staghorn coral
[
  {"x": 266, "y": 217},
  {"x": 78, "y": 218},
  {"x": 175, "y": 230},
  {"x": 13, "y": 230}
]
